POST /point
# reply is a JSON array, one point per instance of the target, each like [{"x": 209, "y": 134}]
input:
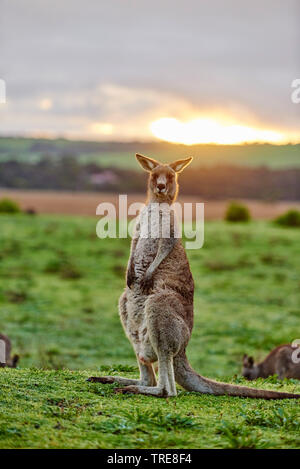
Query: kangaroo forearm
[
  {"x": 165, "y": 248},
  {"x": 132, "y": 250},
  {"x": 130, "y": 265}
]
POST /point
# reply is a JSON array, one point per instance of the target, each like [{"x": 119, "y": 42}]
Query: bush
[
  {"x": 290, "y": 218},
  {"x": 237, "y": 213},
  {"x": 9, "y": 206}
]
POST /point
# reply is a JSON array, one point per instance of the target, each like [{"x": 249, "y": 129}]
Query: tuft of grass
[
  {"x": 145, "y": 421},
  {"x": 237, "y": 437},
  {"x": 118, "y": 368},
  {"x": 273, "y": 418},
  {"x": 49, "y": 358},
  {"x": 64, "y": 267},
  {"x": 16, "y": 296},
  {"x": 289, "y": 219},
  {"x": 167, "y": 421}
]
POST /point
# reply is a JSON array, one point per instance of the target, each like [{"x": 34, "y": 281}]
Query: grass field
[
  {"x": 59, "y": 288},
  {"x": 120, "y": 155}
]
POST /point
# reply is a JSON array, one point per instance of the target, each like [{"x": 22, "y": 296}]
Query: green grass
[
  {"x": 120, "y": 154},
  {"x": 59, "y": 289},
  {"x": 271, "y": 156}
]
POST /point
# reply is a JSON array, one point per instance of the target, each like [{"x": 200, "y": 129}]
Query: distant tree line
[
  {"x": 216, "y": 182},
  {"x": 221, "y": 182},
  {"x": 66, "y": 174}
]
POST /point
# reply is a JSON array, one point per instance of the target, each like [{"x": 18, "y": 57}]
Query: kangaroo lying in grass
[
  {"x": 5, "y": 351},
  {"x": 156, "y": 308},
  {"x": 279, "y": 362}
]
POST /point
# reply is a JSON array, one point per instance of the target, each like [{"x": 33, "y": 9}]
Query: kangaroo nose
[{"x": 160, "y": 186}]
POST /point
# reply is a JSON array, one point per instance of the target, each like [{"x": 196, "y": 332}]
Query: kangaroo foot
[
  {"x": 147, "y": 390},
  {"x": 113, "y": 379},
  {"x": 101, "y": 379},
  {"x": 127, "y": 390}
]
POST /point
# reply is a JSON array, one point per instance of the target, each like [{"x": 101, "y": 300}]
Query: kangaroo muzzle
[
  {"x": 161, "y": 184},
  {"x": 161, "y": 188}
]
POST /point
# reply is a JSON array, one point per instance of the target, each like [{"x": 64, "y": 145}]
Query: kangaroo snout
[{"x": 161, "y": 187}]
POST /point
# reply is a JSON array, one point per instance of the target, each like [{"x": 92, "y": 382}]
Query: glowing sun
[{"x": 210, "y": 131}]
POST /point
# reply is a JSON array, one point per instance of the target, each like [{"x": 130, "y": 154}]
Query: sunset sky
[{"x": 186, "y": 71}]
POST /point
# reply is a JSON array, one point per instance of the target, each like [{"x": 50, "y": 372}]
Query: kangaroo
[
  {"x": 5, "y": 351},
  {"x": 156, "y": 308},
  {"x": 278, "y": 362}
]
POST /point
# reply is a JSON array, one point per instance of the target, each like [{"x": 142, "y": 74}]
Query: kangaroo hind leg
[
  {"x": 166, "y": 386},
  {"x": 167, "y": 335},
  {"x": 147, "y": 378},
  {"x": 147, "y": 375}
]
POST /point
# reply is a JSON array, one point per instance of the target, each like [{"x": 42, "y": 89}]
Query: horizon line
[{"x": 141, "y": 141}]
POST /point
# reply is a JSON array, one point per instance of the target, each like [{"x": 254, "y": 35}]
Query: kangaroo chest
[{"x": 150, "y": 220}]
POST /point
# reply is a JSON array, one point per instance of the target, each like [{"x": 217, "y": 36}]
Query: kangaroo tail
[{"x": 192, "y": 381}]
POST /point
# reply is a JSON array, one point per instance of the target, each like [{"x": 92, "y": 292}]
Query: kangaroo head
[
  {"x": 162, "y": 185},
  {"x": 249, "y": 370}
]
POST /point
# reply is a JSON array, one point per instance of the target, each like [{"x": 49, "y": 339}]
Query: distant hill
[
  {"x": 208, "y": 182},
  {"x": 120, "y": 154}
]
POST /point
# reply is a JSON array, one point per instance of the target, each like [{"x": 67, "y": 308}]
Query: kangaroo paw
[
  {"x": 101, "y": 379},
  {"x": 147, "y": 285}
]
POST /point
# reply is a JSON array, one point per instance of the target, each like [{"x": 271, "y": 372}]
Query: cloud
[
  {"x": 128, "y": 63},
  {"x": 108, "y": 109}
]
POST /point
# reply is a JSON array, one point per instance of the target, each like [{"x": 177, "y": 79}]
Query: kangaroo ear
[
  {"x": 250, "y": 362},
  {"x": 179, "y": 165},
  {"x": 146, "y": 163}
]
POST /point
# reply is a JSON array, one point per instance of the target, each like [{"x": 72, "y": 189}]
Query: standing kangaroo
[{"x": 156, "y": 308}]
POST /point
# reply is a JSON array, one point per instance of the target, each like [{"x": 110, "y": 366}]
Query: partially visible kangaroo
[
  {"x": 279, "y": 362},
  {"x": 156, "y": 308},
  {"x": 5, "y": 351}
]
